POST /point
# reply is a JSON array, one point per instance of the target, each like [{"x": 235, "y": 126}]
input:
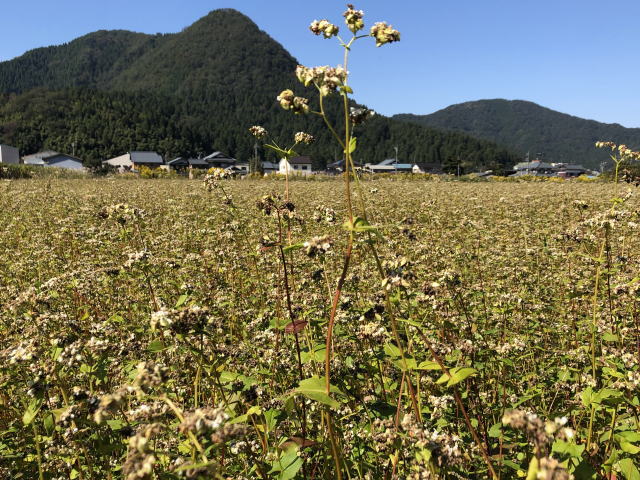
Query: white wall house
[
  {"x": 53, "y": 159},
  {"x": 295, "y": 166},
  {"x": 131, "y": 161},
  {"x": 9, "y": 154}
]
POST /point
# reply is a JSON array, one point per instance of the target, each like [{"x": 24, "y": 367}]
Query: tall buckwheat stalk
[{"x": 330, "y": 81}]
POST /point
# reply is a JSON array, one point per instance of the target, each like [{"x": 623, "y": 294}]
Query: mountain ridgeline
[
  {"x": 189, "y": 93},
  {"x": 528, "y": 127}
]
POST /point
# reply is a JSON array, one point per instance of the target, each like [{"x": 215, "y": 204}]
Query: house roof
[
  {"x": 391, "y": 167},
  {"x": 388, "y": 161},
  {"x": 146, "y": 157},
  {"x": 340, "y": 164},
  {"x": 48, "y": 156},
  {"x": 535, "y": 165},
  {"x": 219, "y": 156},
  {"x": 188, "y": 161},
  {"x": 40, "y": 155},
  {"x": 61, "y": 157},
  {"x": 300, "y": 161}
]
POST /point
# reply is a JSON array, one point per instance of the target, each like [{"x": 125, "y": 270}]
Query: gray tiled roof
[{"x": 146, "y": 157}]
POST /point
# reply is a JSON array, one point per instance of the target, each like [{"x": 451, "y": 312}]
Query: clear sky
[{"x": 577, "y": 56}]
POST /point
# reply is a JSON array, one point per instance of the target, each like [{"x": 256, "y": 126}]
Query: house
[
  {"x": 389, "y": 165},
  {"x": 568, "y": 170},
  {"x": 219, "y": 160},
  {"x": 269, "y": 167},
  {"x": 240, "y": 168},
  {"x": 9, "y": 154},
  {"x": 131, "y": 161},
  {"x": 182, "y": 164},
  {"x": 339, "y": 166},
  {"x": 53, "y": 159},
  {"x": 536, "y": 168},
  {"x": 295, "y": 165},
  {"x": 433, "y": 168}
]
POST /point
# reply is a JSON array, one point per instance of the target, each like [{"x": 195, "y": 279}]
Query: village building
[
  {"x": 433, "y": 168},
  {"x": 569, "y": 170},
  {"x": 339, "y": 166},
  {"x": 389, "y": 165},
  {"x": 269, "y": 167},
  {"x": 296, "y": 166},
  {"x": 51, "y": 158},
  {"x": 240, "y": 168},
  {"x": 219, "y": 160},
  {"x": 9, "y": 154},
  {"x": 537, "y": 168},
  {"x": 183, "y": 164},
  {"x": 132, "y": 161}
]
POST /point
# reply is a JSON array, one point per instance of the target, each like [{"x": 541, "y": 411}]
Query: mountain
[
  {"x": 528, "y": 127},
  {"x": 192, "y": 92}
]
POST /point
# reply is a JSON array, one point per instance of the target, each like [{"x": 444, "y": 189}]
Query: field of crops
[{"x": 160, "y": 330}]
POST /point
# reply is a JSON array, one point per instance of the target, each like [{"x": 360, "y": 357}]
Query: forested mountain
[
  {"x": 188, "y": 93},
  {"x": 528, "y": 127}
]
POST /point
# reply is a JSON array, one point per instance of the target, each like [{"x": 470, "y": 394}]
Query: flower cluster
[
  {"x": 353, "y": 18},
  {"x": 384, "y": 33},
  {"x": 140, "y": 459},
  {"x": 326, "y": 78},
  {"x": 324, "y": 27},
  {"x": 213, "y": 177},
  {"x": 318, "y": 246},
  {"x": 398, "y": 273},
  {"x": 191, "y": 319},
  {"x": 258, "y": 131},
  {"x": 624, "y": 151},
  {"x": 326, "y": 214},
  {"x": 122, "y": 213},
  {"x": 289, "y": 101},
  {"x": 302, "y": 137},
  {"x": 213, "y": 422}
]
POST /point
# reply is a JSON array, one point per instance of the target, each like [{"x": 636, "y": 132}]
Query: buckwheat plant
[{"x": 328, "y": 81}]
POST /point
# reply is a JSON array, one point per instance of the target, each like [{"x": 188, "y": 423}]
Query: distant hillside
[
  {"x": 188, "y": 93},
  {"x": 528, "y": 127}
]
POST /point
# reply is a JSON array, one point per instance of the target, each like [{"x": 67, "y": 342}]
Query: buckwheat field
[{"x": 157, "y": 329}]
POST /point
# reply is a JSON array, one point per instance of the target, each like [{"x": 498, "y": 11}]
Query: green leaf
[
  {"x": 587, "y": 397},
  {"x": 346, "y": 89},
  {"x": 156, "y": 346},
  {"x": 457, "y": 375},
  {"x": 315, "y": 389},
  {"x": 609, "y": 337},
  {"x": 31, "y": 411},
  {"x": 360, "y": 225},
  {"x": 496, "y": 430},
  {"x": 353, "y": 143},
  {"x": 181, "y": 301},
  {"x": 628, "y": 469},
  {"x": 288, "y": 465},
  {"x": 429, "y": 365},
  {"x": 568, "y": 448},
  {"x": 279, "y": 151},
  {"x": 392, "y": 350}
]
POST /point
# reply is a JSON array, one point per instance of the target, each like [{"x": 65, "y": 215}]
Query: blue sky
[{"x": 577, "y": 56}]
